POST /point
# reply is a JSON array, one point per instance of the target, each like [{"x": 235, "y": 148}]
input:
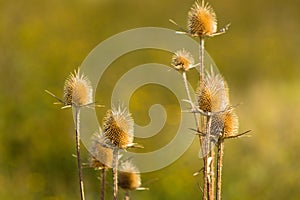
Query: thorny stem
[
  {"x": 212, "y": 171},
  {"x": 115, "y": 171},
  {"x": 77, "y": 132},
  {"x": 102, "y": 179},
  {"x": 190, "y": 99},
  {"x": 219, "y": 168},
  {"x": 201, "y": 57},
  {"x": 202, "y": 118},
  {"x": 127, "y": 197},
  {"x": 209, "y": 160}
]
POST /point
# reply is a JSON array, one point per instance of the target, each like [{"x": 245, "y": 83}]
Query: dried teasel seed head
[
  {"x": 182, "y": 60},
  {"x": 101, "y": 156},
  {"x": 202, "y": 20},
  {"x": 225, "y": 124},
  {"x": 77, "y": 90},
  {"x": 212, "y": 94},
  {"x": 231, "y": 123},
  {"x": 128, "y": 176},
  {"x": 118, "y": 127}
]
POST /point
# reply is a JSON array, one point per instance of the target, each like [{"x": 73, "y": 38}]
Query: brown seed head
[
  {"x": 77, "y": 90},
  {"x": 225, "y": 124},
  {"x": 231, "y": 123},
  {"x": 101, "y": 156},
  {"x": 202, "y": 20},
  {"x": 129, "y": 177},
  {"x": 118, "y": 127},
  {"x": 182, "y": 60},
  {"x": 213, "y": 94}
]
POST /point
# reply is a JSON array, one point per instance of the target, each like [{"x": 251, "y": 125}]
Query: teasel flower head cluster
[
  {"x": 128, "y": 176},
  {"x": 77, "y": 90},
  {"x": 118, "y": 128},
  {"x": 202, "y": 20},
  {"x": 101, "y": 156},
  {"x": 213, "y": 97},
  {"x": 182, "y": 60}
]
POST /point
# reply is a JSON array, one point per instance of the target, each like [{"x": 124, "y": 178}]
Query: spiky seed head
[
  {"x": 128, "y": 176},
  {"x": 118, "y": 127},
  {"x": 212, "y": 94},
  {"x": 101, "y": 156},
  {"x": 182, "y": 60},
  {"x": 202, "y": 20},
  {"x": 225, "y": 124},
  {"x": 231, "y": 123},
  {"x": 77, "y": 90}
]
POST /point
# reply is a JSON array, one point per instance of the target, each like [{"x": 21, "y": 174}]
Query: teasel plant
[
  {"x": 118, "y": 130},
  {"x": 215, "y": 119},
  {"x": 101, "y": 158},
  {"x": 129, "y": 178},
  {"x": 77, "y": 93}
]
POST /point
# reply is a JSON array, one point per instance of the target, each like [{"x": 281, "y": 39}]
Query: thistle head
[
  {"x": 225, "y": 124},
  {"x": 118, "y": 127},
  {"x": 231, "y": 123},
  {"x": 202, "y": 20},
  {"x": 212, "y": 95},
  {"x": 101, "y": 156},
  {"x": 128, "y": 176},
  {"x": 182, "y": 60},
  {"x": 77, "y": 90}
]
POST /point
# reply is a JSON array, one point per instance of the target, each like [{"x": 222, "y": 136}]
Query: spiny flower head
[
  {"x": 129, "y": 177},
  {"x": 202, "y": 20},
  {"x": 101, "y": 156},
  {"x": 118, "y": 127},
  {"x": 182, "y": 60},
  {"x": 225, "y": 124},
  {"x": 77, "y": 90},
  {"x": 231, "y": 123},
  {"x": 213, "y": 94}
]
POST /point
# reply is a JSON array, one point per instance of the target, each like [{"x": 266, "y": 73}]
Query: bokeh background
[{"x": 43, "y": 41}]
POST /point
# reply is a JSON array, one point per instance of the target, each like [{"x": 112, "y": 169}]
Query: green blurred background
[{"x": 43, "y": 41}]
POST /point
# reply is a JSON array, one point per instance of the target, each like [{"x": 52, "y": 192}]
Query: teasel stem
[
  {"x": 103, "y": 183},
  {"x": 209, "y": 161},
  {"x": 202, "y": 118},
  {"x": 115, "y": 171},
  {"x": 190, "y": 99},
  {"x": 201, "y": 57},
  {"x": 127, "y": 197},
  {"x": 219, "y": 168},
  {"x": 77, "y": 137},
  {"x": 212, "y": 172}
]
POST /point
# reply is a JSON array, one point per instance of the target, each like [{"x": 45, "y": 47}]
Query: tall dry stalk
[
  {"x": 211, "y": 95},
  {"x": 103, "y": 183},
  {"x": 115, "y": 172},
  {"x": 201, "y": 23},
  {"x": 118, "y": 132},
  {"x": 77, "y": 138},
  {"x": 78, "y": 93},
  {"x": 219, "y": 168}
]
